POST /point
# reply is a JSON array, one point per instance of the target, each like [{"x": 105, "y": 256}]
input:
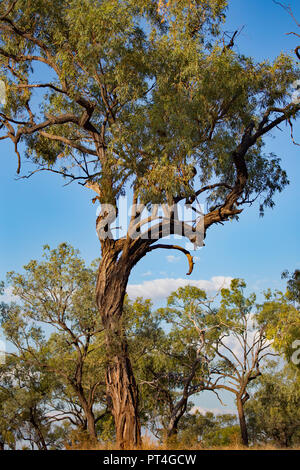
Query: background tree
[
  {"x": 208, "y": 429},
  {"x": 273, "y": 412},
  {"x": 125, "y": 99},
  {"x": 241, "y": 346},
  {"x": 280, "y": 315},
  {"x": 58, "y": 293},
  {"x": 194, "y": 344},
  {"x": 25, "y": 415}
]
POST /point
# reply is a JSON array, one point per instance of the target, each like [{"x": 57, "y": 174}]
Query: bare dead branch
[{"x": 176, "y": 247}]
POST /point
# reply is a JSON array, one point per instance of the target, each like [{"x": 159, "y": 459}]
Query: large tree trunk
[
  {"x": 242, "y": 420},
  {"x": 122, "y": 390}
]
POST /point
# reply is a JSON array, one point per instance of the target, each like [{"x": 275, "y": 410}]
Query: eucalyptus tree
[
  {"x": 58, "y": 294},
  {"x": 130, "y": 97},
  {"x": 280, "y": 315},
  {"x": 273, "y": 413},
  {"x": 241, "y": 348}
]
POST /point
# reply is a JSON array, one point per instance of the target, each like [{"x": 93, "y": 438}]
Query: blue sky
[{"x": 41, "y": 210}]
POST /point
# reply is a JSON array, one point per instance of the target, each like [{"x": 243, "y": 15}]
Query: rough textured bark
[
  {"x": 40, "y": 438},
  {"x": 242, "y": 420},
  {"x": 122, "y": 389}
]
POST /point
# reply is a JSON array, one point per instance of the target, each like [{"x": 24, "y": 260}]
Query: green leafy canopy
[{"x": 108, "y": 92}]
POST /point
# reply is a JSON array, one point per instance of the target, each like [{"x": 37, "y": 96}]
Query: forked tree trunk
[
  {"x": 122, "y": 389},
  {"x": 242, "y": 420}
]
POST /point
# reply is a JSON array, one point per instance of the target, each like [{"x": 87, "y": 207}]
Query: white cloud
[
  {"x": 172, "y": 259},
  {"x": 216, "y": 411},
  {"x": 162, "y": 288},
  {"x": 147, "y": 273}
]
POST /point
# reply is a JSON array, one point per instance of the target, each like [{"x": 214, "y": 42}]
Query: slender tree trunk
[
  {"x": 242, "y": 420},
  {"x": 41, "y": 441},
  {"x": 123, "y": 393},
  {"x": 181, "y": 406},
  {"x": 90, "y": 422},
  {"x": 122, "y": 389}
]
